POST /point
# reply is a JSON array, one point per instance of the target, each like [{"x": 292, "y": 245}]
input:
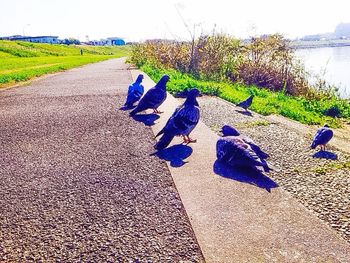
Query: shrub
[{"x": 266, "y": 62}]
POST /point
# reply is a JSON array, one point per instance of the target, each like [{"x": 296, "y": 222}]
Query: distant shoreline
[{"x": 320, "y": 43}]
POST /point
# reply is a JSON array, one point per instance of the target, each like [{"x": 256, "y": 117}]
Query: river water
[{"x": 332, "y": 62}]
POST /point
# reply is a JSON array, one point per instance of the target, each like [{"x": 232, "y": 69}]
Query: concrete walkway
[{"x": 237, "y": 222}]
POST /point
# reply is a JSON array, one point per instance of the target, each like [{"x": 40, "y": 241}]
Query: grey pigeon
[
  {"x": 135, "y": 92},
  {"x": 153, "y": 98},
  {"x": 234, "y": 151},
  {"x": 322, "y": 137},
  {"x": 246, "y": 103},
  {"x": 181, "y": 122},
  {"x": 228, "y": 130}
]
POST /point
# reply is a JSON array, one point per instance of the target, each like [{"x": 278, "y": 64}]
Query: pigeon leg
[
  {"x": 189, "y": 140},
  {"x": 157, "y": 111}
]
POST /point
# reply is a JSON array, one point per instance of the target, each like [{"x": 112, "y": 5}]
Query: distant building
[
  {"x": 111, "y": 41},
  {"x": 38, "y": 39},
  {"x": 115, "y": 41},
  {"x": 102, "y": 42}
]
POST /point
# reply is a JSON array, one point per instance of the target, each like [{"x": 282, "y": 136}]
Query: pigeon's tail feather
[
  {"x": 134, "y": 111},
  {"x": 128, "y": 104},
  {"x": 241, "y": 104},
  {"x": 164, "y": 141},
  {"x": 259, "y": 152},
  {"x": 263, "y": 154},
  {"x": 266, "y": 167},
  {"x": 160, "y": 132}
]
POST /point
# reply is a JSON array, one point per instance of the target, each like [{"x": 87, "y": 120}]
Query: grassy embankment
[
  {"x": 291, "y": 97},
  {"x": 265, "y": 102},
  {"x": 21, "y": 61}
]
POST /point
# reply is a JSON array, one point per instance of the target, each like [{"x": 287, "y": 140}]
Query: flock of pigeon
[{"x": 232, "y": 148}]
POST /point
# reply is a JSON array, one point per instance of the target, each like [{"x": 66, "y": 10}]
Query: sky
[{"x": 138, "y": 20}]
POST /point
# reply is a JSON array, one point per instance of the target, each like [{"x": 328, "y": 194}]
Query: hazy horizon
[{"x": 140, "y": 20}]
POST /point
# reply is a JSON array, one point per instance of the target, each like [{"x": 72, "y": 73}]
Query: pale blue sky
[{"x": 137, "y": 20}]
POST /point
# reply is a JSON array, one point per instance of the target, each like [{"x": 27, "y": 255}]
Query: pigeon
[
  {"x": 153, "y": 98},
  {"x": 135, "y": 92},
  {"x": 246, "y": 103},
  {"x": 234, "y": 151},
  {"x": 182, "y": 122},
  {"x": 322, "y": 137},
  {"x": 228, "y": 130}
]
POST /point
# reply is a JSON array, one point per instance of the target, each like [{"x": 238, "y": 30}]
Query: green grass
[
  {"x": 265, "y": 101},
  {"x": 332, "y": 167},
  {"x": 21, "y": 61}
]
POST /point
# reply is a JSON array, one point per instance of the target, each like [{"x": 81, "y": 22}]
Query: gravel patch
[
  {"x": 77, "y": 182},
  {"x": 315, "y": 182}
]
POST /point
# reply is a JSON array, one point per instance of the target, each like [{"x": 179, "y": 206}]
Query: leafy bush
[
  {"x": 266, "y": 62},
  {"x": 269, "y": 62}
]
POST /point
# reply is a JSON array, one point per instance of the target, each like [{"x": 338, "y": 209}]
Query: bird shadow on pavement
[
  {"x": 125, "y": 108},
  {"x": 147, "y": 119},
  {"x": 175, "y": 154},
  {"x": 244, "y": 175},
  {"x": 247, "y": 113},
  {"x": 325, "y": 155}
]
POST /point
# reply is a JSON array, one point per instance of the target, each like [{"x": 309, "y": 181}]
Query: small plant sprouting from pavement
[
  {"x": 332, "y": 167},
  {"x": 257, "y": 123}
]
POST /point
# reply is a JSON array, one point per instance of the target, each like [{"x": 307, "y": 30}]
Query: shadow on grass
[
  {"x": 147, "y": 119},
  {"x": 246, "y": 113},
  {"x": 325, "y": 155},
  {"x": 244, "y": 175},
  {"x": 175, "y": 154}
]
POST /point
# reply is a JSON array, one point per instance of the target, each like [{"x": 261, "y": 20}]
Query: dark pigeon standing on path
[
  {"x": 322, "y": 137},
  {"x": 246, "y": 103},
  {"x": 235, "y": 152},
  {"x": 153, "y": 98},
  {"x": 135, "y": 92},
  {"x": 228, "y": 130},
  {"x": 182, "y": 122}
]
